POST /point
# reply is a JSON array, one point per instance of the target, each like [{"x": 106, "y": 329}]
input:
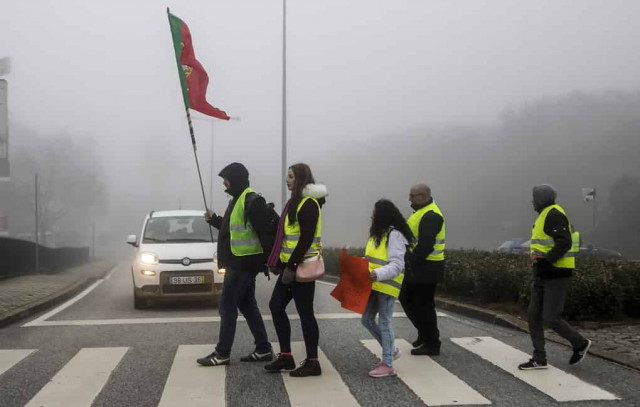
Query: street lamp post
[
  {"x": 284, "y": 102},
  {"x": 37, "y": 240}
]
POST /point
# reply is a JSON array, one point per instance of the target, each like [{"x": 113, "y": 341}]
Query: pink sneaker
[
  {"x": 382, "y": 370},
  {"x": 397, "y": 353}
]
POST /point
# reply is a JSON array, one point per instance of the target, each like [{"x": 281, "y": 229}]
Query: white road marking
[
  {"x": 326, "y": 283},
  {"x": 108, "y": 276},
  {"x": 434, "y": 384},
  {"x": 553, "y": 382},
  {"x": 64, "y": 306},
  {"x": 80, "y": 380},
  {"x": 190, "y": 384},
  {"x": 327, "y": 389},
  {"x": 8, "y": 358},
  {"x": 171, "y": 320}
]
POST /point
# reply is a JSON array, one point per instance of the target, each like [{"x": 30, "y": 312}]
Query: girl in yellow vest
[
  {"x": 301, "y": 236},
  {"x": 389, "y": 237}
]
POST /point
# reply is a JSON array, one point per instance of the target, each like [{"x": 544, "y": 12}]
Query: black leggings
[{"x": 302, "y": 294}]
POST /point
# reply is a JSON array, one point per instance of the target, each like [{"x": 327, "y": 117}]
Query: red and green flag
[{"x": 193, "y": 78}]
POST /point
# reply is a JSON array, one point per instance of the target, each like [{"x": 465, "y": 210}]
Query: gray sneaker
[{"x": 579, "y": 354}]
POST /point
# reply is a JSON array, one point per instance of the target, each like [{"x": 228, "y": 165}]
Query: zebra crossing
[{"x": 85, "y": 375}]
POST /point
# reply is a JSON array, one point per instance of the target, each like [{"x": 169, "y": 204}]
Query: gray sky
[{"x": 356, "y": 70}]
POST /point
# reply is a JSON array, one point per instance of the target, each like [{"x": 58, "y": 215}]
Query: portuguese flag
[{"x": 193, "y": 77}]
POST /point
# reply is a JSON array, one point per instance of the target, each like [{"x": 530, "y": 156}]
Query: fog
[{"x": 481, "y": 100}]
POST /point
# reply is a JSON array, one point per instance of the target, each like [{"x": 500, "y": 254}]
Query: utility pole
[
  {"x": 211, "y": 170},
  {"x": 37, "y": 240},
  {"x": 93, "y": 240},
  {"x": 283, "y": 173},
  {"x": 593, "y": 227}
]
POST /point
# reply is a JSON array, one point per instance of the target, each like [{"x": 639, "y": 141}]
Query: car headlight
[
  {"x": 221, "y": 271},
  {"x": 149, "y": 273},
  {"x": 149, "y": 258}
]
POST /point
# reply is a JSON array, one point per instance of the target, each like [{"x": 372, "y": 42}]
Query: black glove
[
  {"x": 209, "y": 215},
  {"x": 544, "y": 267},
  {"x": 264, "y": 269},
  {"x": 288, "y": 276}
]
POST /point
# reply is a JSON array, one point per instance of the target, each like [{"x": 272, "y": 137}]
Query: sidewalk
[
  {"x": 619, "y": 343},
  {"x": 23, "y": 296}
]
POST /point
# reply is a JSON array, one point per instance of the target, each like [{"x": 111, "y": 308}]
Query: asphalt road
[{"x": 100, "y": 351}]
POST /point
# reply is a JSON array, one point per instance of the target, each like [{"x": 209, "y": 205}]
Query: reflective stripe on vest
[
  {"x": 292, "y": 235},
  {"x": 542, "y": 243},
  {"x": 414, "y": 224},
  {"x": 244, "y": 240},
  {"x": 379, "y": 257},
  {"x": 575, "y": 242}
]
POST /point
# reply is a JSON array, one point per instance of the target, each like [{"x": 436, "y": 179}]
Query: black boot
[
  {"x": 284, "y": 362},
  {"x": 307, "y": 368}
]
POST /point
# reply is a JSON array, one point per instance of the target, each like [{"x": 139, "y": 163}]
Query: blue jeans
[
  {"x": 239, "y": 293},
  {"x": 381, "y": 304}
]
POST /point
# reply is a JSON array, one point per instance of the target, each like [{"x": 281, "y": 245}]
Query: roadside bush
[
  {"x": 599, "y": 290},
  {"x": 484, "y": 276}
]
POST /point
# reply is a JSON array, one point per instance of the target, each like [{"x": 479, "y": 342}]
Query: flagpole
[
  {"x": 283, "y": 174},
  {"x": 195, "y": 155}
]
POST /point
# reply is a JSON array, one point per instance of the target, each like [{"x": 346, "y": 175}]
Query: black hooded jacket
[
  {"x": 557, "y": 226},
  {"x": 255, "y": 212}
]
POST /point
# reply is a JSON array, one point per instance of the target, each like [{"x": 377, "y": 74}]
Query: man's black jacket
[
  {"x": 418, "y": 270},
  {"x": 255, "y": 212}
]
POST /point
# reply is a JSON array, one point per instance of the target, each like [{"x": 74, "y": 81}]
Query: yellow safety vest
[
  {"x": 378, "y": 257},
  {"x": 542, "y": 243},
  {"x": 575, "y": 242},
  {"x": 244, "y": 240},
  {"x": 414, "y": 224},
  {"x": 292, "y": 235}
]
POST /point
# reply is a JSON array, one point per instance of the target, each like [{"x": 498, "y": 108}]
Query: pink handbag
[{"x": 310, "y": 269}]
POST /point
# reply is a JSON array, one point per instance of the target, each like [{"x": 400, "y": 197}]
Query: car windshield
[{"x": 178, "y": 229}]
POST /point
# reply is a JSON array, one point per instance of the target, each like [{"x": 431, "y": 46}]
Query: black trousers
[
  {"x": 418, "y": 301},
  {"x": 302, "y": 294}
]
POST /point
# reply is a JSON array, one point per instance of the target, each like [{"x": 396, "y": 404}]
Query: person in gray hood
[{"x": 553, "y": 264}]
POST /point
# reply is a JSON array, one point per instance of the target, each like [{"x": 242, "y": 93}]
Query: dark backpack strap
[{"x": 249, "y": 199}]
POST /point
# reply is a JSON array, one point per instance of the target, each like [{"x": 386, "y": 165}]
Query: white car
[{"x": 175, "y": 258}]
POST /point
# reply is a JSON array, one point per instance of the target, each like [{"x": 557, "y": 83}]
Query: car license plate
[{"x": 187, "y": 280}]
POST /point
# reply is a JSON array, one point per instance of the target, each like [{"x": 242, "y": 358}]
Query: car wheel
[{"x": 139, "y": 303}]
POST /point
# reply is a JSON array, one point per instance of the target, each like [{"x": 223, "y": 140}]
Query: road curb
[
  {"x": 49, "y": 301},
  {"x": 509, "y": 321}
]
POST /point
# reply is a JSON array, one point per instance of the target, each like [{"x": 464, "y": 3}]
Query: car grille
[
  {"x": 186, "y": 288},
  {"x": 179, "y": 261}
]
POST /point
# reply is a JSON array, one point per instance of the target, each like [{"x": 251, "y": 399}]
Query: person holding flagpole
[{"x": 242, "y": 240}]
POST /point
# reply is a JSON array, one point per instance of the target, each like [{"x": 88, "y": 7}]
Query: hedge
[{"x": 599, "y": 289}]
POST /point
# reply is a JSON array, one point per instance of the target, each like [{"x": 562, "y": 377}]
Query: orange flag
[{"x": 354, "y": 286}]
